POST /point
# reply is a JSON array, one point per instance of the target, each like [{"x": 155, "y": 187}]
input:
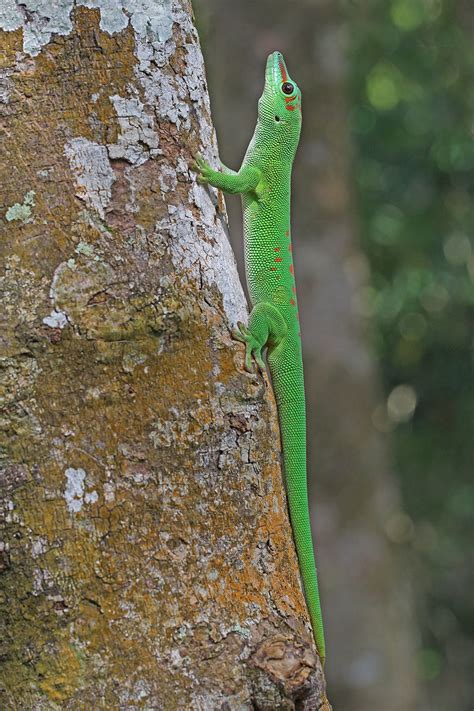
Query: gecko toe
[
  {"x": 237, "y": 335},
  {"x": 259, "y": 360},
  {"x": 253, "y": 349},
  {"x": 249, "y": 367}
]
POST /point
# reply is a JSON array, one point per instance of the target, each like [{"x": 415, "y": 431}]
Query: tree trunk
[
  {"x": 147, "y": 554},
  {"x": 365, "y": 589}
]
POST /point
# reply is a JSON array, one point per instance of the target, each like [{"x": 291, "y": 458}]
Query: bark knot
[{"x": 293, "y": 666}]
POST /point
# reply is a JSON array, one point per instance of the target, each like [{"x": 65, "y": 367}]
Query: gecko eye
[{"x": 287, "y": 88}]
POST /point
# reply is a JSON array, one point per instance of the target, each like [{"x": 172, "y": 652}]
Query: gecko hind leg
[
  {"x": 253, "y": 348},
  {"x": 266, "y": 327}
]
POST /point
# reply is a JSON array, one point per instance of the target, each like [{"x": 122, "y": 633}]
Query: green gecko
[{"x": 264, "y": 180}]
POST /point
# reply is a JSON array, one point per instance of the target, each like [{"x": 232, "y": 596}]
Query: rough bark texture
[
  {"x": 357, "y": 520},
  {"x": 147, "y": 559}
]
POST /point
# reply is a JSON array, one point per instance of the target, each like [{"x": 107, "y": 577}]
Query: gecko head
[{"x": 279, "y": 107}]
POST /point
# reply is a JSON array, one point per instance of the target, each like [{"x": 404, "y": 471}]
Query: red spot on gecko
[
  {"x": 277, "y": 249},
  {"x": 283, "y": 73},
  {"x": 290, "y": 248},
  {"x": 292, "y": 271},
  {"x": 273, "y": 269},
  {"x": 293, "y": 290},
  {"x": 287, "y": 233},
  {"x": 279, "y": 259},
  {"x": 290, "y": 98},
  {"x": 292, "y": 302}
]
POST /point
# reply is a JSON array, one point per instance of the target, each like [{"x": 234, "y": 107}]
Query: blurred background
[{"x": 383, "y": 219}]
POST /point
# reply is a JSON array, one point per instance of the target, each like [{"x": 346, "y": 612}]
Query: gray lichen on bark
[
  {"x": 147, "y": 554},
  {"x": 40, "y": 19}
]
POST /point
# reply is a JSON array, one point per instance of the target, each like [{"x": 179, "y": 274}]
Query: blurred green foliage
[{"x": 412, "y": 120}]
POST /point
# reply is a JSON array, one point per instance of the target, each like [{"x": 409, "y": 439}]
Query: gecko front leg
[{"x": 247, "y": 179}]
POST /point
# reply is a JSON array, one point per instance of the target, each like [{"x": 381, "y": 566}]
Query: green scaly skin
[{"x": 264, "y": 180}]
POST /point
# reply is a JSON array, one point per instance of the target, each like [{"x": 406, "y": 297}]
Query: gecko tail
[{"x": 289, "y": 393}]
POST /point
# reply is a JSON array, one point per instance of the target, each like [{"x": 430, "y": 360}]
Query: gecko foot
[
  {"x": 202, "y": 168},
  {"x": 252, "y": 347}
]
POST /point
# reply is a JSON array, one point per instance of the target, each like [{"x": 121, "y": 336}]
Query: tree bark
[{"x": 147, "y": 558}]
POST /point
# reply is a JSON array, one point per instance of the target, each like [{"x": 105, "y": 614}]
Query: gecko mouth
[{"x": 276, "y": 72}]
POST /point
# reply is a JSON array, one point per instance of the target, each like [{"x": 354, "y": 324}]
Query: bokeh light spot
[
  {"x": 457, "y": 249},
  {"x": 407, "y": 14},
  {"x": 401, "y": 403},
  {"x": 383, "y": 87}
]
